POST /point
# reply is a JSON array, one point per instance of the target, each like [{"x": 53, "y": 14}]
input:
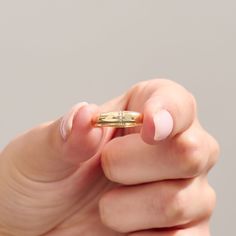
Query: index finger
[{"x": 168, "y": 109}]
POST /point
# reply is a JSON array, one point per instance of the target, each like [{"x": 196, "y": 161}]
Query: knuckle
[
  {"x": 216, "y": 149},
  {"x": 174, "y": 208},
  {"x": 138, "y": 88},
  {"x": 211, "y": 201},
  {"x": 192, "y": 102},
  {"x": 177, "y": 209},
  {"x": 187, "y": 98},
  {"x": 191, "y": 155},
  {"x": 214, "y": 153}
]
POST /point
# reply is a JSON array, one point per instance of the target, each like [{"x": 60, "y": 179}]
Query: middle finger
[{"x": 129, "y": 160}]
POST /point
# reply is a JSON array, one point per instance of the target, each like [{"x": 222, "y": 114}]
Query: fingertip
[
  {"x": 83, "y": 127},
  {"x": 163, "y": 123},
  {"x": 82, "y": 121},
  {"x": 170, "y": 110},
  {"x": 158, "y": 125},
  {"x": 67, "y": 120}
]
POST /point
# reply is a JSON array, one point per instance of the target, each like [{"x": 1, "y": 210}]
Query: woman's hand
[{"x": 70, "y": 178}]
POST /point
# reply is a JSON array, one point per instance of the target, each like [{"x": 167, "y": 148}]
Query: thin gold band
[{"x": 119, "y": 119}]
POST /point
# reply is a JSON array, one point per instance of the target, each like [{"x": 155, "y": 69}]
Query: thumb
[
  {"x": 53, "y": 151},
  {"x": 81, "y": 140}
]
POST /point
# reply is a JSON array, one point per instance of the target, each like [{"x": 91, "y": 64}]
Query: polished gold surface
[{"x": 119, "y": 119}]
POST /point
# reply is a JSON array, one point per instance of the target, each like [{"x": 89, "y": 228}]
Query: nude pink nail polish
[
  {"x": 67, "y": 120},
  {"x": 163, "y": 125}
]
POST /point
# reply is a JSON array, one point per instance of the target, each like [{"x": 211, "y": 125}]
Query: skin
[{"x": 106, "y": 181}]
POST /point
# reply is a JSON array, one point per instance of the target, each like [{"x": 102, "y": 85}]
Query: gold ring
[{"x": 119, "y": 119}]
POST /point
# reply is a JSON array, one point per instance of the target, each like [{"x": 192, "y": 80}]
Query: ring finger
[{"x": 157, "y": 205}]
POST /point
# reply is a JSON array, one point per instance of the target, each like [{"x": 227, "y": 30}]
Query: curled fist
[{"x": 69, "y": 178}]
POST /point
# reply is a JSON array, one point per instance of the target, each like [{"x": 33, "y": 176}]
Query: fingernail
[
  {"x": 67, "y": 120},
  {"x": 163, "y": 122}
]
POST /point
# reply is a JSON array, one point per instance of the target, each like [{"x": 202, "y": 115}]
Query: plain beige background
[{"x": 55, "y": 53}]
